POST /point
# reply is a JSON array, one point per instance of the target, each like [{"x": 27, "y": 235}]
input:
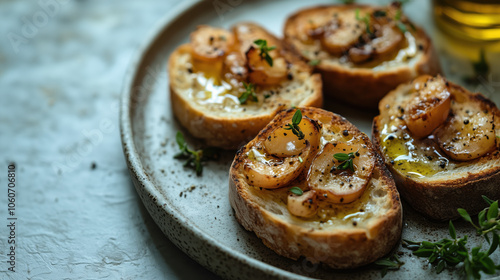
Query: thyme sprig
[
  {"x": 249, "y": 93},
  {"x": 294, "y": 126},
  {"x": 345, "y": 161},
  {"x": 366, "y": 20},
  {"x": 193, "y": 158},
  {"x": 389, "y": 263},
  {"x": 264, "y": 50},
  {"x": 451, "y": 252}
]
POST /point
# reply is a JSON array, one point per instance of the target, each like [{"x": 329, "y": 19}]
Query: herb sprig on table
[
  {"x": 451, "y": 252},
  {"x": 193, "y": 158},
  {"x": 389, "y": 263}
]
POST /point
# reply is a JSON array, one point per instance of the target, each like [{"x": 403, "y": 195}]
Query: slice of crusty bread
[
  {"x": 436, "y": 185},
  {"x": 362, "y": 84},
  {"x": 227, "y": 124},
  {"x": 339, "y": 235}
]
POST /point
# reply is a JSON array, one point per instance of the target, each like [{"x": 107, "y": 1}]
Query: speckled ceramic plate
[{"x": 194, "y": 212}]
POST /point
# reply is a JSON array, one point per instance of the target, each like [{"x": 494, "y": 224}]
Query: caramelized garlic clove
[
  {"x": 342, "y": 33},
  {"x": 210, "y": 44},
  {"x": 274, "y": 172},
  {"x": 259, "y": 70},
  {"x": 305, "y": 205},
  {"x": 341, "y": 186},
  {"x": 282, "y": 142},
  {"x": 429, "y": 107},
  {"x": 468, "y": 134}
]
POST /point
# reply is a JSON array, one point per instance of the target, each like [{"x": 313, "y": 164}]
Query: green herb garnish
[
  {"x": 379, "y": 13},
  {"x": 296, "y": 191},
  {"x": 345, "y": 161},
  {"x": 264, "y": 50},
  {"x": 402, "y": 27},
  {"x": 294, "y": 126},
  {"x": 399, "y": 23},
  {"x": 249, "y": 93},
  {"x": 365, "y": 19},
  {"x": 481, "y": 69},
  {"x": 451, "y": 252},
  {"x": 314, "y": 62},
  {"x": 193, "y": 158},
  {"x": 389, "y": 263}
]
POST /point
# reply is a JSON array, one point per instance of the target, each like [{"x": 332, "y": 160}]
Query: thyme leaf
[{"x": 264, "y": 51}]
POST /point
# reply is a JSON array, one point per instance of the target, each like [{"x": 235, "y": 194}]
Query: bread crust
[
  {"x": 231, "y": 132},
  {"x": 364, "y": 87},
  {"x": 339, "y": 248},
  {"x": 440, "y": 198}
]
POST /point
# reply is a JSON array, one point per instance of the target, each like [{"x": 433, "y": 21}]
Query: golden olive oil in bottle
[{"x": 477, "y": 20}]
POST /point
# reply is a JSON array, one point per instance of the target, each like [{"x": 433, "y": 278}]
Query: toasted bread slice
[
  {"x": 360, "y": 64},
  {"x": 205, "y": 92},
  {"x": 340, "y": 235},
  {"x": 432, "y": 181}
]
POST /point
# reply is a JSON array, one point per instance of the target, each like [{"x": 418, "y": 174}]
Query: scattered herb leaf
[
  {"x": 314, "y": 62},
  {"x": 296, "y": 191},
  {"x": 193, "y": 158},
  {"x": 365, "y": 19},
  {"x": 389, "y": 263},
  {"x": 294, "y": 126},
  {"x": 264, "y": 50},
  {"x": 249, "y": 93},
  {"x": 402, "y": 27}
]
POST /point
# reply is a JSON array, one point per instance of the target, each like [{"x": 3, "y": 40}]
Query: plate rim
[{"x": 140, "y": 178}]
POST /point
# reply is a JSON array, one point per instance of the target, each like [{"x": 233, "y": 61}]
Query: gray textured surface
[
  {"x": 63, "y": 83},
  {"x": 59, "y": 86}
]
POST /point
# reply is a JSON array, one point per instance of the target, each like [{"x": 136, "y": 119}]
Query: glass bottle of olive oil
[{"x": 477, "y": 20}]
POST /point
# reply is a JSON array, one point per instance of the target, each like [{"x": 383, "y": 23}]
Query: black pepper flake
[
  {"x": 289, "y": 76},
  {"x": 442, "y": 164},
  {"x": 190, "y": 70},
  {"x": 345, "y": 132},
  {"x": 466, "y": 121}
]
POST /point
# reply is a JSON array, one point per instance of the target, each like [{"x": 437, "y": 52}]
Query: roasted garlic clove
[
  {"x": 334, "y": 179},
  {"x": 469, "y": 133},
  {"x": 429, "y": 106},
  {"x": 305, "y": 205},
  {"x": 210, "y": 44},
  {"x": 271, "y": 172},
  {"x": 282, "y": 142},
  {"x": 342, "y": 33},
  {"x": 261, "y": 72}
]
